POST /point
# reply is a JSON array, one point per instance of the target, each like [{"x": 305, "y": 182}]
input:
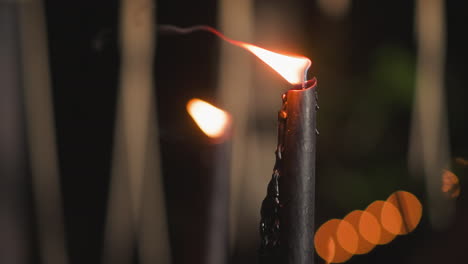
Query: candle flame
[
  {"x": 211, "y": 120},
  {"x": 292, "y": 68}
]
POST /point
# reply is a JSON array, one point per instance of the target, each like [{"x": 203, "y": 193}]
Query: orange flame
[
  {"x": 292, "y": 68},
  {"x": 211, "y": 120}
]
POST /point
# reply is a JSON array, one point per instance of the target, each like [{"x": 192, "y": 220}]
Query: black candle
[
  {"x": 216, "y": 124},
  {"x": 287, "y": 224}
]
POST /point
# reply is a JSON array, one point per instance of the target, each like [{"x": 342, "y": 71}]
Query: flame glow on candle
[
  {"x": 211, "y": 120},
  {"x": 293, "y": 68}
]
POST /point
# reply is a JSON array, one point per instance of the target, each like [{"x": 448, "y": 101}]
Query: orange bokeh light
[
  {"x": 368, "y": 230},
  {"x": 461, "y": 161},
  {"x": 347, "y": 237},
  {"x": 375, "y": 209},
  {"x": 213, "y": 121},
  {"x": 450, "y": 184},
  {"x": 360, "y": 231},
  {"x": 391, "y": 219},
  {"x": 331, "y": 250},
  {"x": 410, "y": 209},
  {"x": 330, "y": 238}
]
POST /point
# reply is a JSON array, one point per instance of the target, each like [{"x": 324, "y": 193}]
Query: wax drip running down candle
[
  {"x": 287, "y": 213},
  {"x": 291, "y": 67}
]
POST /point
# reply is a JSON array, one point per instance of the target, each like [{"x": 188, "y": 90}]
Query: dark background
[{"x": 364, "y": 120}]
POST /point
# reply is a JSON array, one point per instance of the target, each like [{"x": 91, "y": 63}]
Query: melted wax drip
[{"x": 270, "y": 223}]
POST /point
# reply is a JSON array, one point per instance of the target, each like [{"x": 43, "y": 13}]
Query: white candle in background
[
  {"x": 136, "y": 208},
  {"x": 41, "y": 133}
]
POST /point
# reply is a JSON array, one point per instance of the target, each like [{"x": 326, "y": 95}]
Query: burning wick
[{"x": 293, "y": 68}]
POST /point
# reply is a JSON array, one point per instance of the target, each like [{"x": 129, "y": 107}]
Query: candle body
[
  {"x": 297, "y": 177},
  {"x": 218, "y": 211},
  {"x": 287, "y": 225}
]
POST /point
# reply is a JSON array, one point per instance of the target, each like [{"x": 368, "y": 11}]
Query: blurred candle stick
[
  {"x": 13, "y": 157},
  {"x": 216, "y": 124},
  {"x": 41, "y": 135},
  {"x": 136, "y": 216},
  {"x": 429, "y": 148}
]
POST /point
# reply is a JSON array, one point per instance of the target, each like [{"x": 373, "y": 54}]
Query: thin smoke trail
[
  {"x": 164, "y": 28},
  {"x": 180, "y": 30}
]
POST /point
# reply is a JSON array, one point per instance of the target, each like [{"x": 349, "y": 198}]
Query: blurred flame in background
[
  {"x": 336, "y": 241},
  {"x": 211, "y": 120}
]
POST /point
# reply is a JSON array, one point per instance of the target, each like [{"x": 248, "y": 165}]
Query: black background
[{"x": 84, "y": 57}]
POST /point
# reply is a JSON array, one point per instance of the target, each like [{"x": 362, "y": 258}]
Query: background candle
[{"x": 216, "y": 124}]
